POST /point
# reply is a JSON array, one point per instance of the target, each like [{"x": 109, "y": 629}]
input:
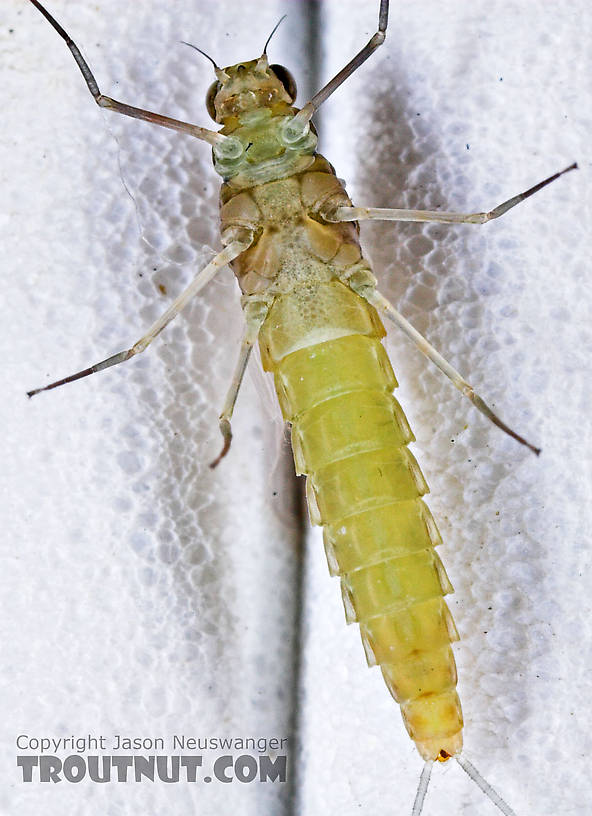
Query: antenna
[
  {"x": 201, "y": 52},
  {"x": 277, "y": 25}
]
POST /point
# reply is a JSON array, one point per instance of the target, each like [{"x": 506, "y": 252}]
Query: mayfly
[{"x": 310, "y": 300}]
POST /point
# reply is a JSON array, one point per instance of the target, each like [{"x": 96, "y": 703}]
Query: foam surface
[{"x": 144, "y": 594}]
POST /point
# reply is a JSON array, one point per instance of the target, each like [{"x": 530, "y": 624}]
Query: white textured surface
[
  {"x": 143, "y": 593},
  {"x": 143, "y": 597}
]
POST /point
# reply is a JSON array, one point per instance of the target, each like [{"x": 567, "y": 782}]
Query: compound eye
[
  {"x": 287, "y": 80},
  {"x": 210, "y": 96}
]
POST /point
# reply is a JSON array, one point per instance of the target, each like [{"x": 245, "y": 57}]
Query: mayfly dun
[{"x": 252, "y": 241}]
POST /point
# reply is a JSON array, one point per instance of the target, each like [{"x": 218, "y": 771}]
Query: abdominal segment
[{"x": 364, "y": 487}]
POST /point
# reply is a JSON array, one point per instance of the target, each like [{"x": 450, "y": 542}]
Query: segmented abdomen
[{"x": 350, "y": 436}]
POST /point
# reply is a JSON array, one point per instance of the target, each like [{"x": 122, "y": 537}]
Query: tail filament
[
  {"x": 422, "y": 788},
  {"x": 487, "y": 789}
]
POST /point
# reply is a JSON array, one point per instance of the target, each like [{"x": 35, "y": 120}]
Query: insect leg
[
  {"x": 102, "y": 101},
  {"x": 228, "y": 254},
  {"x": 380, "y": 214},
  {"x": 306, "y": 113},
  {"x": 364, "y": 285},
  {"x": 255, "y": 313}
]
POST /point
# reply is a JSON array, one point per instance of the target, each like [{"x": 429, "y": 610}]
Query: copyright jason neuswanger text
[{"x": 72, "y": 759}]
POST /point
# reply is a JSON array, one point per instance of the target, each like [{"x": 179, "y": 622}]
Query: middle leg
[{"x": 336, "y": 214}]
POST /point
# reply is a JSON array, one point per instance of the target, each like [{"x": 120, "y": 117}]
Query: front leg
[{"x": 226, "y": 147}]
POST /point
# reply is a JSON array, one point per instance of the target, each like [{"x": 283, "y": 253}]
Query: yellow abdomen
[{"x": 349, "y": 436}]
